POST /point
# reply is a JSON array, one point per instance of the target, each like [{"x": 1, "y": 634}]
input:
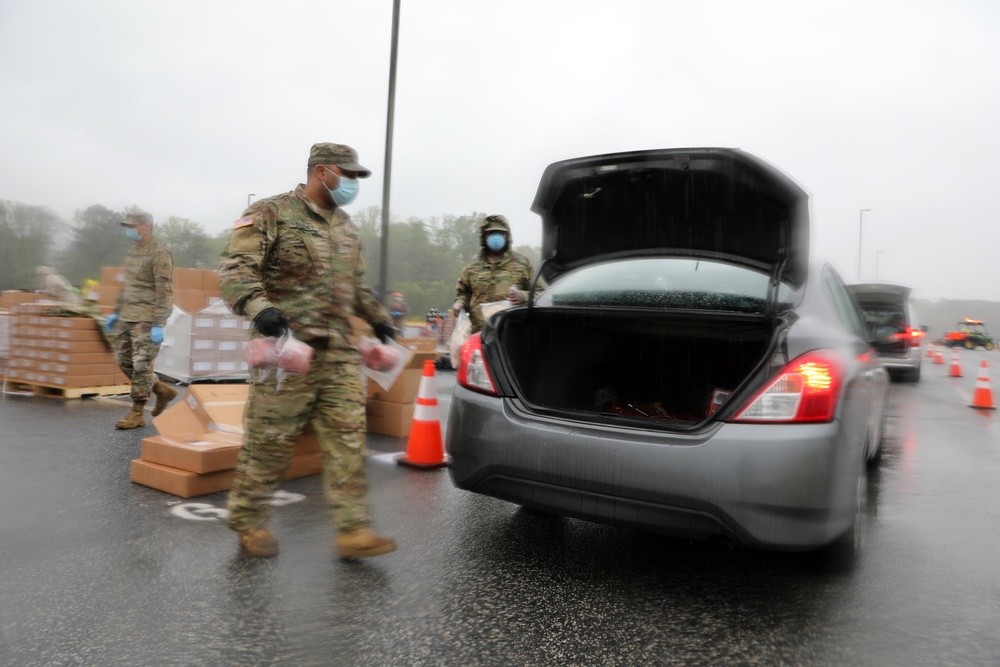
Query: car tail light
[
  {"x": 915, "y": 336},
  {"x": 806, "y": 390},
  {"x": 472, "y": 370}
]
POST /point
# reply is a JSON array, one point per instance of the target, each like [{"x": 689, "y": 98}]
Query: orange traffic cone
[
  {"x": 956, "y": 369},
  {"x": 930, "y": 350},
  {"x": 982, "y": 397},
  {"x": 938, "y": 356},
  {"x": 424, "y": 449}
]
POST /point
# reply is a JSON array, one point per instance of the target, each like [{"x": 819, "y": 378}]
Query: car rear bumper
[{"x": 789, "y": 486}]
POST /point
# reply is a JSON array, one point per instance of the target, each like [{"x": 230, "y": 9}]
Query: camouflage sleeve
[
  {"x": 163, "y": 278},
  {"x": 463, "y": 288},
  {"x": 242, "y": 261},
  {"x": 366, "y": 305}
]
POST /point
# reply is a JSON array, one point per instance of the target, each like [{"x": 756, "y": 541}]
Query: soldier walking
[
  {"x": 136, "y": 326},
  {"x": 496, "y": 274},
  {"x": 294, "y": 264}
]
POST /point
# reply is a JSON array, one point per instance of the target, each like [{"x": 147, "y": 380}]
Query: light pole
[
  {"x": 249, "y": 197},
  {"x": 880, "y": 252},
  {"x": 861, "y": 220}
]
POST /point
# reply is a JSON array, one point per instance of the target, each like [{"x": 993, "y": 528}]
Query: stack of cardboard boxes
[
  {"x": 61, "y": 352},
  {"x": 207, "y": 345},
  {"x": 199, "y": 441}
]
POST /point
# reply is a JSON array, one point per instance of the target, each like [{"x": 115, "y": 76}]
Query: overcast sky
[{"x": 187, "y": 107}]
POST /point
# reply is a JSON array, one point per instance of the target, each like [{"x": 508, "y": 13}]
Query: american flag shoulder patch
[{"x": 243, "y": 222}]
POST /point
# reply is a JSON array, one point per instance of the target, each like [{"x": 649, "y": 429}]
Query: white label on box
[
  {"x": 204, "y": 322},
  {"x": 228, "y": 346},
  {"x": 227, "y": 366},
  {"x": 203, "y": 344},
  {"x": 228, "y": 324},
  {"x": 201, "y": 366}
]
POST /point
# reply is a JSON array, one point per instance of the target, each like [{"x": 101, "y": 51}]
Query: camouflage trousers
[
  {"x": 135, "y": 353},
  {"x": 330, "y": 397}
]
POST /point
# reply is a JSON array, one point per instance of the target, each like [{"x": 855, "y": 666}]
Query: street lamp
[
  {"x": 249, "y": 197},
  {"x": 880, "y": 252},
  {"x": 861, "y": 220}
]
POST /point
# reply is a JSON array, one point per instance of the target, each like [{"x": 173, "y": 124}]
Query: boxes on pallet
[
  {"x": 62, "y": 352},
  {"x": 207, "y": 345}
]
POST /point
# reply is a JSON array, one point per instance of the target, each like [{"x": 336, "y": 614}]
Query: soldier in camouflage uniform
[
  {"x": 294, "y": 262},
  {"x": 136, "y": 326},
  {"x": 496, "y": 274}
]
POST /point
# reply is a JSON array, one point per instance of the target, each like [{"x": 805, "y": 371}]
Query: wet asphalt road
[{"x": 95, "y": 570}]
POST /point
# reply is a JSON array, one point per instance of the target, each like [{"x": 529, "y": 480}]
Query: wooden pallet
[{"x": 18, "y": 387}]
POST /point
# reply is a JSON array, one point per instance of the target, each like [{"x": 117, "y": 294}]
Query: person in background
[
  {"x": 55, "y": 286},
  {"x": 294, "y": 265},
  {"x": 496, "y": 274},
  {"x": 398, "y": 310},
  {"x": 141, "y": 312}
]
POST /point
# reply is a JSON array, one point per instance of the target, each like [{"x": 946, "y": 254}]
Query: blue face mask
[
  {"x": 132, "y": 233},
  {"x": 346, "y": 192},
  {"x": 495, "y": 241}
]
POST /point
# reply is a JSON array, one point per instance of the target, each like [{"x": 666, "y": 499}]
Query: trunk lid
[{"x": 715, "y": 203}]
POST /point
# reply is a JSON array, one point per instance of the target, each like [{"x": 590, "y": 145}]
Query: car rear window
[{"x": 664, "y": 283}]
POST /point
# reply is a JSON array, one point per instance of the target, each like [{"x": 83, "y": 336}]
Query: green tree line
[{"x": 424, "y": 256}]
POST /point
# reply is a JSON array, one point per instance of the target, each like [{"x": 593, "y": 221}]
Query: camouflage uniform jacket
[
  {"x": 148, "y": 292},
  {"x": 486, "y": 279},
  {"x": 288, "y": 253}
]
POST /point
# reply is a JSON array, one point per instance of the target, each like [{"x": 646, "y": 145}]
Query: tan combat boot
[
  {"x": 362, "y": 542},
  {"x": 259, "y": 542},
  {"x": 164, "y": 394},
  {"x": 135, "y": 418}
]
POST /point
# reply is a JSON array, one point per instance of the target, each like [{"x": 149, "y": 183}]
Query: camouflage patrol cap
[
  {"x": 343, "y": 156},
  {"x": 494, "y": 223},
  {"x": 136, "y": 216}
]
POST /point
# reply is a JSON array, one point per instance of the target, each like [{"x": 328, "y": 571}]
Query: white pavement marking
[{"x": 385, "y": 458}]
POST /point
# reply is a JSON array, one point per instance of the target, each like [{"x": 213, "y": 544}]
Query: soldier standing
[
  {"x": 294, "y": 262},
  {"x": 497, "y": 273},
  {"x": 141, "y": 312}
]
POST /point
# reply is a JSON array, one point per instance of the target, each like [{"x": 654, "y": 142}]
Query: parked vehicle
[
  {"x": 893, "y": 326},
  {"x": 689, "y": 370},
  {"x": 969, "y": 334}
]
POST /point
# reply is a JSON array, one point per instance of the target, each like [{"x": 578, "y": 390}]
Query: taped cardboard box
[
  {"x": 392, "y": 419},
  {"x": 180, "y": 482},
  {"x": 207, "y": 451}
]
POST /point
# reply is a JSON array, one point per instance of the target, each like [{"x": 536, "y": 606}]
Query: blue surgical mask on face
[
  {"x": 132, "y": 233},
  {"x": 495, "y": 241},
  {"x": 346, "y": 192}
]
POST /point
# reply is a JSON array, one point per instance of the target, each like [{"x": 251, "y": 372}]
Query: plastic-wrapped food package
[
  {"x": 262, "y": 353},
  {"x": 378, "y": 357},
  {"x": 294, "y": 357}
]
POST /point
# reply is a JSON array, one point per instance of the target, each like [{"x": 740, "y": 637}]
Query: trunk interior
[{"x": 648, "y": 369}]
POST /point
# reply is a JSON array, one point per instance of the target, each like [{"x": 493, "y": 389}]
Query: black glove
[
  {"x": 384, "y": 331},
  {"x": 271, "y": 322}
]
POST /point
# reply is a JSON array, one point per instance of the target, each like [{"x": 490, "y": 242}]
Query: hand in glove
[
  {"x": 156, "y": 335},
  {"x": 271, "y": 322},
  {"x": 516, "y": 296},
  {"x": 109, "y": 323},
  {"x": 384, "y": 331}
]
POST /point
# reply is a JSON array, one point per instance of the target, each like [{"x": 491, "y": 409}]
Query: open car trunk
[{"x": 650, "y": 370}]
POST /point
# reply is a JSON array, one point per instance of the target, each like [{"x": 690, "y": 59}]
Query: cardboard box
[
  {"x": 210, "y": 280},
  {"x": 203, "y": 452},
  {"x": 403, "y": 390},
  {"x": 104, "y": 295},
  {"x": 304, "y": 465},
  {"x": 180, "y": 482},
  {"x": 190, "y": 300},
  {"x": 188, "y": 279},
  {"x": 219, "y": 407},
  {"x": 11, "y": 298},
  {"x": 393, "y": 419},
  {"x": 112, "y": 276}
]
